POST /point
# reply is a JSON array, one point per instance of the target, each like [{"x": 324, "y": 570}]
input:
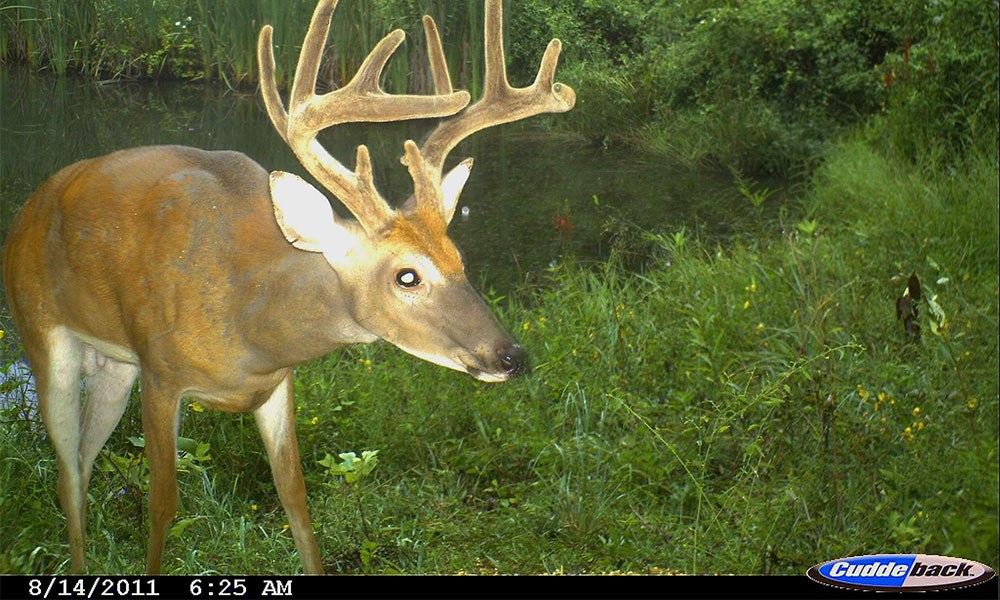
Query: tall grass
[{"x": 211, "y": 39}]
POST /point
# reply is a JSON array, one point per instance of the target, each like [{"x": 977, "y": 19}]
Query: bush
[
  {"x": 746, "y": 135},
  {"x": 941, "y": 80}
]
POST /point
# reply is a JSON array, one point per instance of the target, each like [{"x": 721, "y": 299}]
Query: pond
[{"x": 524, "y": 182}]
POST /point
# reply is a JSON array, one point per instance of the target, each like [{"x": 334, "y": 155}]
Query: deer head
[{"x": 406, "y": 275}]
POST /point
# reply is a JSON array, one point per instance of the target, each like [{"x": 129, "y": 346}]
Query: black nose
[{"x": 514, "y": 360}]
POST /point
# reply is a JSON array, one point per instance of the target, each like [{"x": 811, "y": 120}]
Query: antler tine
[
  {"x": 425, "y": 188},
  {"x": 361, "y": 100},
  {"x": 496, "y": 63},
  {"x": 435, "y": 54},
  {"x": 268, "y": 83},
  {"x": 311, "y": 55},
  {"x": 500, "y": 102},
  {"x": 547, "y": 71}
]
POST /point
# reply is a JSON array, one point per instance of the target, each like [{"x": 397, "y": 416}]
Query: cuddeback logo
[{"x": 901, "y": 572}]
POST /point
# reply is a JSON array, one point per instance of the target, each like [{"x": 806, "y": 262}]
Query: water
[{"x": 524, "y": 181}]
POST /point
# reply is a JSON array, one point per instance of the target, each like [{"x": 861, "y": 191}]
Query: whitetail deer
[{"x": 207, "y": 277}]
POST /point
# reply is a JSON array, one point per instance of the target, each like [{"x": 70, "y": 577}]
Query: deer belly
[
  {"x": 246, "y": 398},
  {"x": 102, "y": 350}
]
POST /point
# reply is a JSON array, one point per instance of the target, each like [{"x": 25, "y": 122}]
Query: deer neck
[{"x": 301, "y": 311}]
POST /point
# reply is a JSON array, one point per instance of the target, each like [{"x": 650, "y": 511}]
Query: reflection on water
[{"x": 522, "y": 177}]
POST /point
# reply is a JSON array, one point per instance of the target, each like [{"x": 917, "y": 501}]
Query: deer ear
[
  {"x": 451, "y": 187},
  {"x": 305, "y": 216}
]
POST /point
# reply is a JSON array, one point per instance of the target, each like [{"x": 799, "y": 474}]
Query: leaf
[
  {"x": 347, "y": 460},
  {"x": 350, "y": 466},
  {"x": 187, "y": 445},
  {"x": 937, "y": 317},
  {"x": 177, "y": 530},
  {"x": 808, "y": 226}
]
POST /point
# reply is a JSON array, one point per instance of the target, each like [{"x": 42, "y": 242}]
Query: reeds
[{"x": 216, "y": 39}]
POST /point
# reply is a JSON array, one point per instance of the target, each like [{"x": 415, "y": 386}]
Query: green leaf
[
  {"x": 177, "y": 530},
  {"x": 187, "y": 445}
]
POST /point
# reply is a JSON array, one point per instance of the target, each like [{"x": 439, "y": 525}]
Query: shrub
[{"x": 940, "y": 80}]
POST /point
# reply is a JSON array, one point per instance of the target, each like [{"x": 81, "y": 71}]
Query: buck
[{"x": 206, "y": 277}]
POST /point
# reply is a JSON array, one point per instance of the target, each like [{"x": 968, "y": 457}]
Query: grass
[{"x": 749, "y": 408}]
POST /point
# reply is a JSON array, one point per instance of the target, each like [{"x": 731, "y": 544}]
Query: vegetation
[
  {"x": 755, "y": 86},
  {"x": 204, "y": 39},
  {"x": 753, "y": 407},
  {"x": 759, "y": 85}
]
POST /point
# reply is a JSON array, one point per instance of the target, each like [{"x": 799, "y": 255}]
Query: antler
[
  {"x": 361, "y": 100},
  {"x": 500, "y": 102}
]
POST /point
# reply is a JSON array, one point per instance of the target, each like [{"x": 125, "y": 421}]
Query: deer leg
[
  {"x": 276, "y": 423},
  {"x": 160, "y": 412},
  {"x": 108, "y": 384},
  {"x": 56, "y": 365}
]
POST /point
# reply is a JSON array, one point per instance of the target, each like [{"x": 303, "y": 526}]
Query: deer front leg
[
  {"x": 160, "y": 410},
  {"x": 276, "y": 423},
  {"x": 56, "y": 362}
]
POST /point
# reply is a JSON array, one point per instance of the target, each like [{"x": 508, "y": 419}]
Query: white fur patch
[
  {"x": 303, "y": 213},
  {"x": 307, "y": 220}
]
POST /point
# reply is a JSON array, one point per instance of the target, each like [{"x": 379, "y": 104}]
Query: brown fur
[{"x": 424, "y": 232}]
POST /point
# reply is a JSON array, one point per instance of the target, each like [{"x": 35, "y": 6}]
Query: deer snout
[{"x": 514, "y": 360}]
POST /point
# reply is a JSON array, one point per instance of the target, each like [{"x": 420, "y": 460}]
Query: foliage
[
  {"x": 123, "y": 38},
  {"x": 350, "y": 467},
  {"x": 812, "y": 58},
  {"x": 941, "y": 80},
  {"x": 759, "y": 86},
  {"x": 754, "y": 85}
]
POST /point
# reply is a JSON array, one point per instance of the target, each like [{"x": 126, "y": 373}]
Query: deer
[{"x": 204, "y": 276}]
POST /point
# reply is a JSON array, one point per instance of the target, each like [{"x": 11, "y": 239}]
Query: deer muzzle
[{"x": 510, "y": 361}]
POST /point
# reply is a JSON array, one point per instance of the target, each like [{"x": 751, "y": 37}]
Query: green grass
[{"x": 748, "y": 408}]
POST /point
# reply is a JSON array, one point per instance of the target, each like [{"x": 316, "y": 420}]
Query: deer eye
[{"x": 407, "y": 278}]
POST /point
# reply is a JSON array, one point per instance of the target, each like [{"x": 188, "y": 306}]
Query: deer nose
[{"x": 514, "y": 360}]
